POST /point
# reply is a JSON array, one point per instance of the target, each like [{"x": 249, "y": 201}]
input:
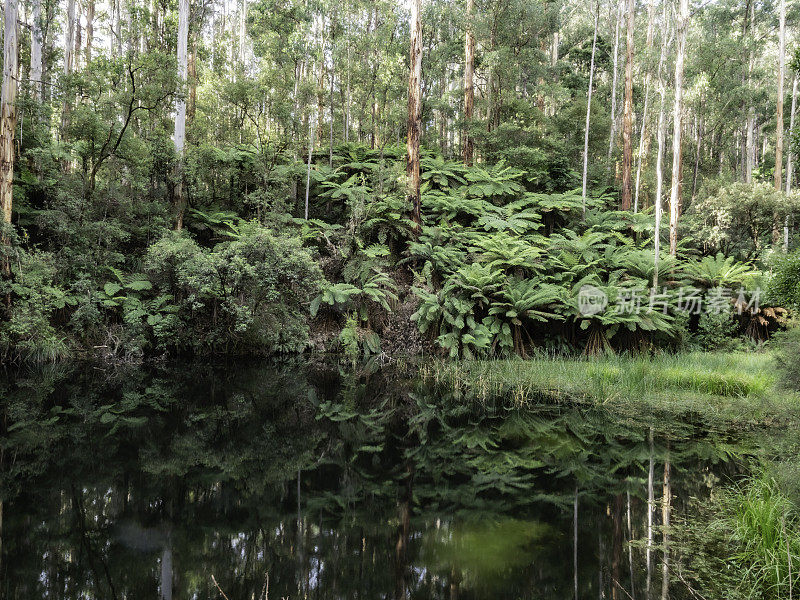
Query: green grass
[{"x": 739, "y": 386}]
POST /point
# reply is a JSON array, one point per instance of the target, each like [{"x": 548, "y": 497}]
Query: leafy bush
[
  {"x": 27, "y": 331},
  {"x": 784, "y": 285},
  {"x": 249, "y": 294}
]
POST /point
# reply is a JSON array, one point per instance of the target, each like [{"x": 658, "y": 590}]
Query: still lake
[{"x": 290, "y": 480}]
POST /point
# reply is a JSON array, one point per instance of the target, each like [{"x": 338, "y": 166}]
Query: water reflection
[{"x": 300, "y": 482}]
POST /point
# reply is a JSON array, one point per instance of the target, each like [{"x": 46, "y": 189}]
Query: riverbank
[{"x": 736, "y": 387}]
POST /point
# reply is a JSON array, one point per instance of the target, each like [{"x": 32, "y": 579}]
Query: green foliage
[
  {"x": 784, "y": 284},
  {"x": 27, "y": 332},
  {"x": 788, "y": 357},
  {"x": 738, "y": 219},
  {"x": 247, "y": 295}
]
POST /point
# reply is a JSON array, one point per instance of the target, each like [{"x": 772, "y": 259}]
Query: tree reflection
[{"x": 328, "y": 484}]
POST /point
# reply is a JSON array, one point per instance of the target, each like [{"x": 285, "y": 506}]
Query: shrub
[
  {"x": 784, "y": 285},
  {"x": 28, "y": 333},
  {"x": 249, "y": 294}
]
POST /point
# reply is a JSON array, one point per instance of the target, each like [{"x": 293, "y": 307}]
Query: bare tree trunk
[
  {"x": 779, "y": 126},
  {"x": 700, "y": 128},
  {"x": 180, "y": 110},
  {"x": 89, "y": 29},
  {"x": 469, "y": 84},
  {"x": 414, "y": 115},
  {"x": 789, "y": 156},
  {"x": 781, "y": 76},
  {"x": 662, "y": 134},
  {"x": 588, "y": 113},
  {"x": 308, "y": 164},
  {"x": 789, "y": 152},
  {"x": 751, "y": 112},
  {"x": 613, "y": 134},
  {"x": 8, "y": 116},
  {"x": 627, "y": 121},
  {"x": 69, "y": 47},
  {"x": 37, "y": 66},
  {"x": 677, "y": 130},
  {"x": 191, "y": 107},
  {"x": 243, "y": 35},
  {"x": 77, "y": 54},
  {"x": 643, "y": 133}
]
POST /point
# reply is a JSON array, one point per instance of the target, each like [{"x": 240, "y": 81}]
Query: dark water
[{"x": 188, "y": 481}]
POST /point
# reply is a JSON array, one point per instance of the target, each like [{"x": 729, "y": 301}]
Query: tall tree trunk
[
  {"x": 414, "y": 115},
  {"x": 781, "y": 76},
  {"x": 243, "y": 34},
  {"x": 789, "y": 157},
  {"x": 613, "y": 133},
  {"x": 700, "y": 129},
  {"x": 588, "y": 113},
  {"x": 191, "y": 107},
  {"x": 779, "y": 124},
  {"x": 644, "y": 133},
  {"x": 37, "y": 66},
  {"x": 308, "y": 164},
  {"x": 89, "y": 29},
  {"x": 677, "y": 130},
  {"x": 750, "y": 150},
  {"x": 8, "y": 117},
  {"x": 661, "y": 135},
  {"x": 69, "y": 48},
  {"x": 789, "y": 151},
  {"x": 469, "y": 84},
  {"x": 77, "y": 53},
  {"x": 627, "y": 122},
  {"x": 180, "y": 110}
]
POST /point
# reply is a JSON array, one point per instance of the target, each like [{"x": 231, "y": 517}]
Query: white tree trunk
[
  {"x": 180, "y": 108},
  {"x": 69, "y": 37},
  {"x": 677, "y": 130},
  {"x": 781, "y": 77},
  {"x": 789, "y": 153},
  {"x": 243, "y": 35},
  {"x": 589, "y": 112},
  {"x": 789, "y": 156},
  {"x": 37, "y": 66},
  {"x": 643, "y": 133},
  {"x": 662, "y": 135},
  {"x": 613, "y": 134}
]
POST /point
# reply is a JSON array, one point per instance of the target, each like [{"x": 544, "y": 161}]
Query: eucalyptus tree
[
  {"x": 8, "y": 116},
  {"x": 779, "y": 105},
  {"x": 180, "y": 110},
  {"x": 589, "y": 111},
  {"x": 627, "y": 119},
  {"x": 677, "y": 129},
  {"x": 469, "y": 83},
  {"x": 414, "y": 113}
]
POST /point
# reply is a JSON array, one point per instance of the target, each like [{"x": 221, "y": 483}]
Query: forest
[
  {"x": 201, "y": 178},
  {"x": 431, "y": 299}
]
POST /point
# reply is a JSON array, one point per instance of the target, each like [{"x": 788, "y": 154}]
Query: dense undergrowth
[{"x": 497, "y": 269}]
